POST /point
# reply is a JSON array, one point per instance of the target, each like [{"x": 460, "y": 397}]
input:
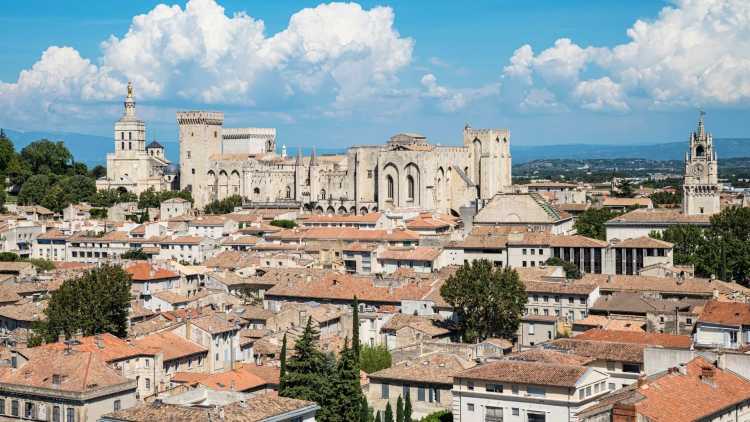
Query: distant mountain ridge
[{"x": 93, "y": 149}]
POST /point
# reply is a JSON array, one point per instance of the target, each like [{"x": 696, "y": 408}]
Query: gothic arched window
[
  {"x": 322, "y": 194},
  {"x": 389, "y": 182},
  {"x": 410, "y": 187},
  {"x": 699, "y": 151},
  {"x": 288, "y": 192}
]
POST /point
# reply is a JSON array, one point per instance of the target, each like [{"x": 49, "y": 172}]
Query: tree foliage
[
  {"x": 374, "y": 358},
  {"x": 34, "y": 189},
  {"x": 45, "y": 156},
  {"x": 624, "y": 189},
  {"x": 487, "y": 300},
  {"x": 571, "y": 269},
  {"x": 108, "y": 197},
  {"x": 722, "y": 249},
  {"x": 152, "y": 199},
  {"x": 135, "y": 254},
  {"x": 223, "y": 206},
  {"x": 439, "y": 416},
  {"x": 666, "y": 198},
  {"x": 591, "y": 222},
  {"x": 96, "y": 302},
  {"x": 285, "y": 224}
]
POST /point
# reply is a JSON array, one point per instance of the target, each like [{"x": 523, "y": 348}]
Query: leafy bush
[
  {"x": 285, "y": 224},
  {"x": 440, "y": 416},
  {"x": 374, "y": 358}
]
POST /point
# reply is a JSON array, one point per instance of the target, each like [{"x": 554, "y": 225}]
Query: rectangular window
[
  {"x": 384, "y": 393},
  {"x": 532, "y": 251},
  {"x": 71, "y": 415},
  {"x": 588, "y": 391},
  {"x": 404, "y": 391},
  {"x": 2, "y": 406},
  {"x": 148, "y": 383},
  {"x": 470, "y": 407},
  {"x": 523, "y": 251},
  {"x": 514, "y": 389},
  {"x": 535, "y": 391},
  {"x": 14, "y": 408},
  {"x": 56, "y": 414},
  {"x": 632, "y": 368},
  {"x": 117, "y": 405},
  {"x": 470, "y": 385},
  {"x": 610, "y": 366},
  {"x": 420, "y": 393},
  {"x": 495, "y": 388},
  {"x": 611, "y": 386},
  {"x": 515, "y": 411}
]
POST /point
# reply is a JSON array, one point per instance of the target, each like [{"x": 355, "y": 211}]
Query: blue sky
[{"x": 551, "y": 71}]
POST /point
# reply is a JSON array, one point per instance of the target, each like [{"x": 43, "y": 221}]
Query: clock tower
[{"x": 701, "y": 187}]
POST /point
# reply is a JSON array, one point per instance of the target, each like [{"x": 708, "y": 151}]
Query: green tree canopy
[
  {"x": 286, "y": 224},
  {"x": 45, "y": 156},
  {"x": 7, "y": 152},
  {"x": 591, "y": 222},
  {"x": 374, "y": 358},
  {"x": 488, "y": 300},
  {"x": 571, "y": 270},
  {"x": 624, "y": 189},
  {"x": 96, "y": 302},
  {"x": 224, "y": 206},
  {"x": 34, "y": 190}
]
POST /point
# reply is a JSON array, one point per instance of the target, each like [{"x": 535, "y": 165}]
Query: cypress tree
[
  {"x": 377, "y": 417},
  {"x": 365, "y": 415},
  {"x": 308, "y": 372},
  {"x": 407, "y": 407},
  {"x": 388, "y": 413},
  {"x": 347, "y": 394},
  {"x": 400, "y": 410},
  {"x": 282, "y": 371},
  {"x": 355, "y": 328}
]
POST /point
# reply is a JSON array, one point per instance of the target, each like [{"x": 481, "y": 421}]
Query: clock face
[{"x": 697, "y": 169}]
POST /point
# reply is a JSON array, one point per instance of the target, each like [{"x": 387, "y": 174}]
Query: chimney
[
  {"x": 99, "y": 341},
  {"x": 609, "y": 278},
  {"x": 707, "y": 374}
]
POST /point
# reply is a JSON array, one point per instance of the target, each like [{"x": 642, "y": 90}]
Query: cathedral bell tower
[
  {"x": 701, "y": 186},
  {"x": 130, "y": 132}
]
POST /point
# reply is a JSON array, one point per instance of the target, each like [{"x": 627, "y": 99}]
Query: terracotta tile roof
[
  {"x": 139, "y": 229},
  {"x": 636, "y": 337},
  {"x": 618, "y": 324},
  {"x": 145, "y": 271},
  {"x": 190, "y": 378},
  {"x": 555, "y": 287},
  {"x": 642, "y": 242},
  {"x": 257, "y": 408},
  {"x": 25, "y": 310},
  {"x": 52, "y": 234},
  {"x": 369, "y": 218},
  {"x": 345, "y": 234},
  {"x": 336, "y": 286},
  {"x": 233, "y": 380},
  {"x": 419, "y": 253},
  {"x": 213, "y": 324},
  {"x": 229, "y": 278},
  {"x": 524, "y": 372},
  {"x": 170, "y": 344},
  {"x": 173, "y": 298},
  {"x": 573, "y": 207},
  {"x": 697, "y": 394},
  {"x": 658, "y": 216},
  {"x": 107, "y": 346},
  {"x": 627, "y": 202},
  {"x": 112, "y": 236},
  {"x": 181, "y": 240},
  {"x": 426, "y": 221},
  {"x": 419, "y": 323},
  {"x": 232, "y": 260},
  {"x": 575, "y": 241},
  {"x": 240, "y": 240},
  {"x": 208, "y": 220},
  {"x": 550, "y": 356},
  {"x": 78, "y": 371},
  {"x": 269, "y": 374},
  {"x": 601, "y": 350},
  {"x": 639, "y": 283},
  {"x": 726, "y": 313},
  {"x": 435, "y": 368},
  {"x": 360, "y": 247}
]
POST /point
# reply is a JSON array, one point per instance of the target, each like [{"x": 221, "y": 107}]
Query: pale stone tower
[
  {"x": 490, "y": 160},
  {"x": 130, "y": 132},
  {"x": 299, "y": 176},
  {"x": 701, "y": 185},
  {"x": 313, "y": 175},
  {"x": 200, "y": 143}
]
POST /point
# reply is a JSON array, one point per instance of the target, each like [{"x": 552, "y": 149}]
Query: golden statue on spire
[{"x": 130, "y": 89}]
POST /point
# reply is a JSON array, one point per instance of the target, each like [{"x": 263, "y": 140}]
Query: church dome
[
  {"x": 172, "y": 169},
  {"x": 153, "y": 145}
]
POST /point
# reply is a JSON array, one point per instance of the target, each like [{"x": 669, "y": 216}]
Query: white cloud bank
[
  {"x": 198, "y": 53},
  {"x": 695, "y": 53}
]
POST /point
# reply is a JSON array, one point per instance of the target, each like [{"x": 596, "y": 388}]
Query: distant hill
[
  {"x": 93, "y": 149},
  {"x": 725, "y": 147}
]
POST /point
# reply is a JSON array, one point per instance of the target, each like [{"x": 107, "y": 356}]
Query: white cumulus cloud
[
  {"x": 696, "y": 52},
  {"x": 338, "y": 53}
]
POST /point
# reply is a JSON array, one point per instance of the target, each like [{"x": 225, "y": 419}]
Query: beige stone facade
[
  {"x": 701, "y": 187},
  {"x": 134, "y": 165},
  {"x": 405, "y": 173}
]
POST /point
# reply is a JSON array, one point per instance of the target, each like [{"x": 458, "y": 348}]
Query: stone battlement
[{"x": 200, "y": 118}]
